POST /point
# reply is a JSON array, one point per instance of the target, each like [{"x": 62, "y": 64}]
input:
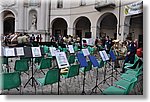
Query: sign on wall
[{"x": 134, "y": 8}]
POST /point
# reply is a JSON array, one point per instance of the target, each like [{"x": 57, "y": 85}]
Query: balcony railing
[{"x": 103, "y": 4}]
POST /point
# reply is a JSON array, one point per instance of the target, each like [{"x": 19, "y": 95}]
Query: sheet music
[
  {"x": 53, "y": 51},
  {"x": 20, "y": 51},
  {"x": 104, "y": 55},
  {"x": 36, "y": 52},
  {"x": 70, "y": 48},
  {"x": 62, "y": 60},
  {"x": 85, "y": 52},
  {"x": 9, "y": 52}
]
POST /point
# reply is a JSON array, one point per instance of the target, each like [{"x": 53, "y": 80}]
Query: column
[
  {"x": 42, "y": 16},
  {"x": 1, "y": 23},
  {"x": 93, "y": 31},
  {"x": 70, "y": 31}
]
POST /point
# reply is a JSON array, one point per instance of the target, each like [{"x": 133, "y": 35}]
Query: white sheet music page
[
  {"x": 20, "y": 51},
  {"x": 85, "y": 52}
]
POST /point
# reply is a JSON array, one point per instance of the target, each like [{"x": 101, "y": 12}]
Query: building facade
[{"x": 85, "y": 18}]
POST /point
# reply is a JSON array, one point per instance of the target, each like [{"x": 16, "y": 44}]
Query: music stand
[
  {"x": 62, "y": 62},
  {"x": 29, "y": 54},
  {"x": 106, "y": 59},
  {"x": 113, "y": 58},
  {"x": 95, "y": 64},
  {"x": 83, "y": 63}
]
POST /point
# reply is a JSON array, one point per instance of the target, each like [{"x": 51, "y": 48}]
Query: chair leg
[{"x": 42, "y": 72}]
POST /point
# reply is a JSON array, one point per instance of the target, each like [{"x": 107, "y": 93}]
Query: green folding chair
[
  {"x": 10, "y": 81},
  {"x": 46, "y": 49},
  {"x": 21, "y": 66},
  {"x": 51, "y": 77},
  {"x": 71, "y": 59},
  {"x": 73, "y": 71},
  {"x": 132, "y": 66},
  {"x": 76, "y": 48},
  {"x": 126, "y": 88},
  {"x": 126, "y": 84},
  {"x": 4, "y": 64},
  {"x": 44, "y": 64},
  {"x": 132, "y": 73}
]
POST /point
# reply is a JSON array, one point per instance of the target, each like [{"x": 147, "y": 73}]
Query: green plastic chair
[
  {"x": 131, "y": 73},
  {"x": 128, "y": 86},
  {"x": 114, "y": 90},
  {"x": 51, "y": 77},
  {"x": 60, "y": 48},
  {"x": 4, "y": 64},
  {"x": 71, "y": 59},
  {"x": 46, "y": 49},
  {"x": 76, "y": 49},
  {"x": 132, "y": 66},
  {"x": 72, "y": 72},
  {"x": 64, "y": 50},
  {"x": 21, "y": 66},
  {"x": 135, "y": 72},
  {"x": 44, "y": 64},
  {"x": 10, "y": 81}
]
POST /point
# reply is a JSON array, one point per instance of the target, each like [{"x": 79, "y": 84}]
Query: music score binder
[
  {"x": 82, "y": 60},
  {"x": 94, "y": 61}
]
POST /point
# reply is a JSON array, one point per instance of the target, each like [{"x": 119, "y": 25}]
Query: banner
[{"x": 134, "y": 8}]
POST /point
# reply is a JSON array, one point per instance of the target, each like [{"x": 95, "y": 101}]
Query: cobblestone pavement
[{"x": 71, "y": 86}]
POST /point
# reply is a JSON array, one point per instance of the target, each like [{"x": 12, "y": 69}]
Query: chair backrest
[
  {"x": 52, "y": 76},
  {"x": 45, "y": 63},
  {"x": 73, "y": 71},
  {"x": 71, "y": 59},
  {"x": 4, "y": 60},
  {"x": 10, "y": 80},
  {"x": 21, "y": 65},
  {"x": 75, "y": 48},
  {"x": 131, "y": 86},
  {"x": 139, "y": 71},
  {"x": 89, "y": 67},
  {"x": 64, "y": 49},
  {"x": 46, "y": 49},
  {"x": 136, "y": 59}
]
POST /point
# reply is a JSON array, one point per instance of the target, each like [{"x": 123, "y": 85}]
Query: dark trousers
[{"x": 128, "y": 59}]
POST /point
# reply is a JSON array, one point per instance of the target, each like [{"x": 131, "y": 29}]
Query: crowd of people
[
  {"x": 19, "y": 39},
  {"x": 125, "y": 50}
]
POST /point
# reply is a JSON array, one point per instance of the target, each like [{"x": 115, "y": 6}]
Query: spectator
[
  {"x": 38, "y": 38},
  {"x": 32, "y": 38},
  {"x": 20, "y": 41},
  {"x": 107, "y": 44}
]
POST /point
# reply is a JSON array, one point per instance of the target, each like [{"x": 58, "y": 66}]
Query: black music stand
[
  {"x": 113, "y": 58},
  {"x": 28, "y": 54},
  {"x": 83, "y": 63},
  {"x": 95, "y": 64},
  {"x": 106, "y": 59},
  {"x": 62, "y": 62}
]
